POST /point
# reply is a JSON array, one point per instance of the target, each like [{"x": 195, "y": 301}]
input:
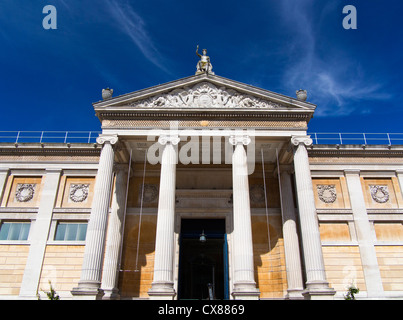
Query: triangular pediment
[{"x": 204, "y": 92}]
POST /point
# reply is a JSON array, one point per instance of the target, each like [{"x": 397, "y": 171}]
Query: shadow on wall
[
  {"x": 269, "y": 261},
  {"x": 135, "y": 280}
]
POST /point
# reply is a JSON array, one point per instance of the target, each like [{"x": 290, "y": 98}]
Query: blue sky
[{"x": 50, "y": 78}]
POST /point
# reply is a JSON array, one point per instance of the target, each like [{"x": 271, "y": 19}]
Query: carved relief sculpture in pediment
[{"x": 205, "y": 95}]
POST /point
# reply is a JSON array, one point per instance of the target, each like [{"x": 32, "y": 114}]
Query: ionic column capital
[
  {"x": 112, "y": 139},
  {"x": 235, "y": 140},
  {"x": 297, "y": 140},
  {"x": 165, "y": 139}
]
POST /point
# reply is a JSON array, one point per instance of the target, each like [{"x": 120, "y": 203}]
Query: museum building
[{"x": 201, "y": 188}]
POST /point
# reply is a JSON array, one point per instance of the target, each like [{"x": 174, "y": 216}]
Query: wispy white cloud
[
  {"x": 337, "y": 83},
  {"x": 132, "y": 24}
]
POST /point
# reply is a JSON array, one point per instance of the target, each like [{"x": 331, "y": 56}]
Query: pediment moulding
[{"x": 204, "y": 92}]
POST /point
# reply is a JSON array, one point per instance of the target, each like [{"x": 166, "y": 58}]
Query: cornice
[
  {"x": 50, "y": 149},
  {"x": 203, "y": 115},
  {"x": 355, "y": 151}
]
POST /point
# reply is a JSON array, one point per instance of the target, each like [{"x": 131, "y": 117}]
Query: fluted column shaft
[
  {"x": 316, "y": 283},
  {"x": 90, "y": 280},
  {"x": 163, "y": 284},
  {"x": 291, "y": 242},
  {"x": 113, "y": 242},
  {"x": 244, "y": 279}
]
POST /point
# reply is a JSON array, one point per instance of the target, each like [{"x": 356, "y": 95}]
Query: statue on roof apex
[{"x": 204, "y": 64}]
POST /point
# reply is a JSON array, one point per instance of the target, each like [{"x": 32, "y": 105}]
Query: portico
[{"x": 206, "y": 140}]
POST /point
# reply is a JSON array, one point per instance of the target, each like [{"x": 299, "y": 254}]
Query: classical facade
[{"x": 201, "y": 188}]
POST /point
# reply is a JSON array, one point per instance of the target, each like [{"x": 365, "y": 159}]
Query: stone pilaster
[
  {"x": 110, "y": 272},
  {"x": 244, "y": 278},
  {"x": 399, "y": 174},
  {"x": 90, "y": 281},
  {"x": 39, "y": 235},
  {"x": 163, "y": 283},
  {"x": 316, "y": 285},
  {"x": 291, "y": 242},
  {"x": 369, "y": 261},
  {"x": 3, "y": 178}
]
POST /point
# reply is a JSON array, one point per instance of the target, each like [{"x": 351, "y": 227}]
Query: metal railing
[
  {"x": 357, "y": 138},
  {"x": 90, "y": 137},
  {"x": 49, "y": 136}
]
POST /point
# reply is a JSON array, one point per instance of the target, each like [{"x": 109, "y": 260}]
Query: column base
[
  {"x": 87, "y": 290},
  {"x": 111, "y": 294},
  {"x": 245, "y": 291},
  {"x": 295, "y": 294},
  {"x": 162, "y": 291},
  {"x": 318, "y": 290}
]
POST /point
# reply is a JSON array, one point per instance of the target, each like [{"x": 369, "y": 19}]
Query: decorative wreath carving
[
  {"x": 79, "y": 192},
  {"x": 25, "y": 192},
  {"x": 257, "y": 193},
  {"x": 327, "y": 193},
  {"x": 380, "y": 194},
  {"x": 150, "y": 192}
]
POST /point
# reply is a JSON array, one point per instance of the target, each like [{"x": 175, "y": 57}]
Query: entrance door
[{"x": 203, "y": 266}]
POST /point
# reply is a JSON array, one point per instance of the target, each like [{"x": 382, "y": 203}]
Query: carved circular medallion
[
  {"x": 257, "y": 193},
  {"x": 380, "y": 194},
  {"x": 79, "y": 192},
  {"x": 327, "y": 193},
  {"x": 25, "y": 192},
  {"x": 150, "y": 193}
]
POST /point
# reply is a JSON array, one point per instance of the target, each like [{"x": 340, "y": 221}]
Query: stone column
[
  {"x": 110, "y": 272},
  {"x": 39, "y": 235},
  {"x": 373, "y": 280},
  {"x": 244, "y": 277},
  {"x": 291, "y": 242},
  {"x": 163, "y": 282},
  {"x": 316, "y": 285},
  {"x": 90, "y": 281}
]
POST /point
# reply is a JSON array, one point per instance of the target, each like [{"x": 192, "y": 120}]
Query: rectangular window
[
  {"x": 14, "y": 230},
  {"x": 71, "y": 231}
]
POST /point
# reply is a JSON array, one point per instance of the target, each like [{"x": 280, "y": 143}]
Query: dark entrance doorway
[{"x": 203, "y": 265}]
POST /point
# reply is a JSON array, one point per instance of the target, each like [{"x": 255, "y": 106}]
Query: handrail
[
  {"x": 90, "y": 137},
  {"x": 49, "y": 136},
  {"x": 356, "y": 138}
]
